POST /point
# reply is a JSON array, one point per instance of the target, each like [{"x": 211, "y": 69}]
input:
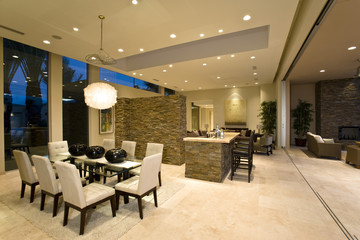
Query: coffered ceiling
[{"x": 149, "y": 24}]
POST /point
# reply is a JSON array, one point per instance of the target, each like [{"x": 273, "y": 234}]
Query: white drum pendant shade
[{"x": 100, "y": 95}]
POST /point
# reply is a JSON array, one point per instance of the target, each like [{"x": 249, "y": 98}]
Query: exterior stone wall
[
  {"x": 154, "y": 119},
  {"x": 337, "y": 104},
  {"x": 208, "y": 161}
]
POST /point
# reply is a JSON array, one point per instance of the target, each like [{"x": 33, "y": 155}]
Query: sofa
[
  {"x": 323, "y": 147},
  {"x": 353, "y": 155}
]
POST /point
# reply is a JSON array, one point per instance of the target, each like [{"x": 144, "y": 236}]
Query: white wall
[
  {"x": 95, "y": 138},
  {"x": 305, "y": 92},
  {"x": 218, "y": 98}
]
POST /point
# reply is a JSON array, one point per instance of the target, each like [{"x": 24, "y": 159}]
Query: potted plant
[
  {"x": 302, "y": 115},
  {"x": 268, "y": 117}
]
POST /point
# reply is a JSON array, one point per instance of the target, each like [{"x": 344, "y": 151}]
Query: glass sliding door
[
  {"x": 75, "y": 111},
  {"x": 25, "y": 100}
]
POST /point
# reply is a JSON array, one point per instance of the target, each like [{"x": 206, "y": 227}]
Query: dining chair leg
[
  {"x": 117, "y": 196},
  {"x": 56, "y": 200},
  {"x": 66, "y": 214},
  {"x": 126, "y": 199},
  {"x": 155, "y": 197},
  {"x": 140, "y": 207},
  {"x": 43, "y": 195},
  {"x": 113, "y": 207},
  {"x": 159, "y": 176},
  {"x": 32, "y": 194},
  {"x": 23, "y": 185},
  {"x": 82, "y": 221}
]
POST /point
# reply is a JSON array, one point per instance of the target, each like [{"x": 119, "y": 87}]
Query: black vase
[
  {"x": 116, "y": 155},
  {"x": 77, "y": 149},
  {"x": 94, "y": 152}
]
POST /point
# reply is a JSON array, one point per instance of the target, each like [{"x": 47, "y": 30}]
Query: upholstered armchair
[
  {"x": 320, "y": 148},
  {"x": 140, "y": 186},
  {"x": 26, "y": 173}
]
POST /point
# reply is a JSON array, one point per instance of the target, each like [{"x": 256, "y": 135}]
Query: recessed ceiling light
[
  {"x": 256, "y": 83},
  {"x": 204, "y": 64},
  {"x": 120, "y": 50},
  {"x": 140, "y": 74},
  {"x": 232, "y": 55},
  {"x": 170, "y": 65},
  {"x": 202, "y": 35},
  {"x": 200, "y": 87},
  {"x": 46, "y": 41},
  {"x": 134, "y": 2},
  {"x": 218, "y": 77},
  {"x": 252, "y": 57},
  {"x": 141, "y": 49},
  {"x": 165, "y": 83},
  {"x": 186, "y": 80},
  {"x": 15, "y": 56},
  {"x": 173, "y": 35},
  {"x": 75, "y": 29},
  {"x": 182, "y": 89},
  {"x": 225, "y": 85},
  {"x": 255, "y": 74},
  {"x": 218, "y": 57},
  {"x": 93, "y": 58},
  {"x": 220, "y": 30},
  {"x": 134, "y": 73},
  {"x": 234, "y": 86},
  {"x": 351, "y": 48},
  {"x": 322, "y": 70},
  {"x": 246, "y": 17},
  {"x": 164, "y": 70}
]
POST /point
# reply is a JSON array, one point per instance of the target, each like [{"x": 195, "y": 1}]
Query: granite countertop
[{"x": 228, "y": 137}]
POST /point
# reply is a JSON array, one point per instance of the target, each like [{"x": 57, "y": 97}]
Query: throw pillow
[
  {"x": 328, "y": 140},
  {"x": 318, "y": 139}
]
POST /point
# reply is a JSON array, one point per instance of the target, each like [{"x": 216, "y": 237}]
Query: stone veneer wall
[
  {"x": 337, "y": 104},
  {"x": 154, "y": 119}
]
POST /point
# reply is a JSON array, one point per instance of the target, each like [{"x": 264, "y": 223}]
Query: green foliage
[
  {"x": 302, "y": 115},
  {"x": 268, "y": 117}
]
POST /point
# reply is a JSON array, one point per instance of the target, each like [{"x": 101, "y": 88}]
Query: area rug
[{"x": 99, "y": 221}]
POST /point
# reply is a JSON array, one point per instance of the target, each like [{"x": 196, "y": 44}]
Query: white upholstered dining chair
[
  {"x": 26, "y": 173},
  {"x": 81, "y": 198},
  {"x": 151, "y": 149},
  {"x": 139, "y": 186},
  {"x": 108, "y": 144},
  {"x": 48, "y": 183}
]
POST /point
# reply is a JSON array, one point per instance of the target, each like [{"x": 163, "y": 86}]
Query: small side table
[{"x": 353, "y": 155}]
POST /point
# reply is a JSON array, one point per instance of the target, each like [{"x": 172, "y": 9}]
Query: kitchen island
[{"x": 208, "y": 158}]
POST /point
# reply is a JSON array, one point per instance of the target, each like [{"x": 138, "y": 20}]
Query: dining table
[{"x": 96, "y": 166}]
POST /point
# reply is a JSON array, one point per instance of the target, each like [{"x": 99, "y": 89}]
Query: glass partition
[
  {"x": 25, "y": 100},
  {"x": 75, "y": 111}
]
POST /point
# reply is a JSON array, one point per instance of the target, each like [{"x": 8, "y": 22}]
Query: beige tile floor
[{"x": 277, "y": 204}]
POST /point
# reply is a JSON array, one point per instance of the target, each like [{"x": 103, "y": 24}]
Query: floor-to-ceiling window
[
  {"x": 75, "y": 111},
  {"x": 25, "y": 100}
]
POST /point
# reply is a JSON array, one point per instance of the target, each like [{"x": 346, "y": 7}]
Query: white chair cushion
[
  {"x": 135, "y": 171},
  {"x": 108, "y": 144},
  {"x": 129, "y": 147},
  {"x": 57, "y": 147},
  {"x": 46, "y": 174},
  {"x": 318, "y": 139},
  {"x": 130, "y": 185},
  {"x": 95, "y": 192},
  {"x": 328, "y": 140},
  {"x": 23, "y": 163}
]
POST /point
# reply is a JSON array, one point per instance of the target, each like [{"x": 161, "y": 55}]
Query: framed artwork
[
  {"x": 106, "y": 120},
  {"x": 235, "y": 112}
]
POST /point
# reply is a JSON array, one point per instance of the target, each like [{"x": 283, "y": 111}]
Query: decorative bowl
[
  {"x": 77, "y": 149},
  {"x": 116, "y": 155},
  {"x": 94, "y": 152}
]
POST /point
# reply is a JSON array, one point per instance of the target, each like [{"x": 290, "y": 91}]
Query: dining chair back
[
  {"x": 48, "y": 183},
  {"x": 58, "y": 147},
  {"x": 108, "y": 144},
  {"x": 81, "y": 198},
  {"x": 26, "y": 173},
  {"x": 129, "y": 147},
  {"x": 140, "y": 186}
]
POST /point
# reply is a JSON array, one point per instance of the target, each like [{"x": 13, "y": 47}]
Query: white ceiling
[
  {"x": 149, "y": 24},
  {"x": 328, "y": 49}
]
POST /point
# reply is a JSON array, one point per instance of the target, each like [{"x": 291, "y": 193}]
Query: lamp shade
[{"x": 100, "y": 95}]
